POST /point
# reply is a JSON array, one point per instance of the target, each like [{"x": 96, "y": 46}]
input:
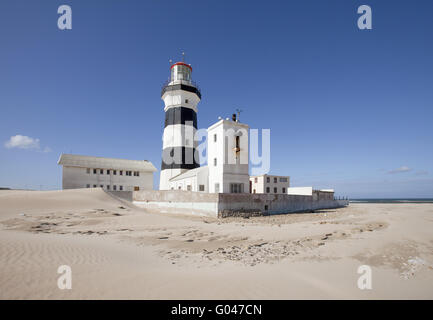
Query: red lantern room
[{"x": 181, "y": 71}]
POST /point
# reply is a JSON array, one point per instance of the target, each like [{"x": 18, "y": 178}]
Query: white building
[
  {"x": 228, "y": 156},
  {"x": 227, "y": 170},
  {"x": 107, "y": 173},
  {"x": 322, "y": 194},
  {"x": 269, "y": 184}
]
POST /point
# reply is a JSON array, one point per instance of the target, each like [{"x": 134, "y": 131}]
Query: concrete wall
[
  {"x": 178, "y": 202},
  {"x": 226, "y": 204},
  {"x": 267, "y": 203},
  {"x": 76, "y": 178}
]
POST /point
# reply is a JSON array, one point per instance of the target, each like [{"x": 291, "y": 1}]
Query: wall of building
[
  {"x": 231, "y": 167},
  {"x": 215, "y": 205},
  {"x": 76, "y": 177}
]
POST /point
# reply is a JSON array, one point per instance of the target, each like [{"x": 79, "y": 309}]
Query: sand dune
[{"x": 116, "y": 250}]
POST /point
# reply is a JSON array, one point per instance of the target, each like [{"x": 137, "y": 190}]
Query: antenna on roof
[
  {"x": 239, "y": 113},
  {"x": 183, "y": 56},
  {"x": 170, "y": 61}
]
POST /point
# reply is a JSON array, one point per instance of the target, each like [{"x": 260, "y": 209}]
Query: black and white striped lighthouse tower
[{"x": 181, "y": 97}]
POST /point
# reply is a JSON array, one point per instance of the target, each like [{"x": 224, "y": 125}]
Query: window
[
  {"x": 217, "y": 187},
  {"x": 88, "y": 170},
  {"x": 108, "y": 187},
  {"x": 101, "y": 186},
  {"x": 237, "y": 143},
  {"x": 275, "y": 190},
  {"x": 136, "y": 188},
  {"x": 114, "y": 172},
  {"x": 88, "y": 186},
  {"x": 121, "y": 172},
  {"x": 266, "y": 207},
  {"x": 201, "y": 187},
  {"x": 268, "y": 190},
  {"x": 284, "y": 190},
  {"x": 94, "y": 171},
  {"x": 236, "y": 187},
  {"x": 128, "y": 173},
  {"x": 121, "y": 188},
  {"x": 188, "y": 187},
  {"x": 254, "y": 191},
  {"x": 136, "y": 174},
  {"x": 94, "y": 186},
  {"x": 179, "y": 187},
  {"x": 108, "y": 171},
  {"x": 101, "y": 171},
  {"x": 275, "y": 180},
  {"x": 268, "y": 179},
  {"x": 186, "y": 101},
  {"x": 255, "y": 180},
  {"x": 215, "y": 162},
  {"x": 283, "y": 179},
  {"x": 114, "y": 187},
  {"x": 215, "y": 138}
]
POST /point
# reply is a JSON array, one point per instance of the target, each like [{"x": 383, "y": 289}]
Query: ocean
[{"x": 391, "y": 200}]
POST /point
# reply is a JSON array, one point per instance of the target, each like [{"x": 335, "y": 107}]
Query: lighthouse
[{"x": 179, "y": 148}]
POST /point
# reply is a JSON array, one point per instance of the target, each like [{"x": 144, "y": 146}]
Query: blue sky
[{"x": 348, "y": 109}]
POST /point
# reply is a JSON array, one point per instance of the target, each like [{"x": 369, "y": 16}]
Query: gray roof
[
  {"x": 190, "y": 173},
  {"x": 74, "y": 160}
]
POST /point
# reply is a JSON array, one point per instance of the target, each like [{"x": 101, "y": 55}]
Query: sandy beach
[{"x": 118, "y": 251}]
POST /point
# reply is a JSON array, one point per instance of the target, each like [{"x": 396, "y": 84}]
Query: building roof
[
  {"x": 190, "y": 173},
  {"x": 268, "y": 175},
  {"x": 229, "y": 122},
  {"x": 74, "y": 160},
  {"x": 181, "y": 64}
]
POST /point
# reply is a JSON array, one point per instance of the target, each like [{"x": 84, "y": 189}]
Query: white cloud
[
  {"x": 400, "y": 170},
  {"x": 25, "y": 142}
]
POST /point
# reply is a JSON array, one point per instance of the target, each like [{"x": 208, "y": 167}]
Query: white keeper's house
[{"x": 107, "y": 173}]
